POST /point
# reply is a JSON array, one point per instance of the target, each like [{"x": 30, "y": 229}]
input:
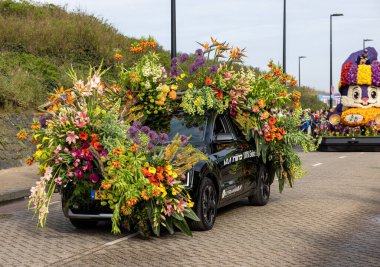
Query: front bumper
[{"x": 81, "y": 216}]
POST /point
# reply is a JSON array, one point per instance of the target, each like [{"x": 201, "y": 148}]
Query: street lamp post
[
  {"x": 366, "y": 40},
  {"x": 173, "y": 51},
  {"x": 284, "y": 40},
  {"x": 331, "y": 83},
  {"x": 299, "y": 70}
]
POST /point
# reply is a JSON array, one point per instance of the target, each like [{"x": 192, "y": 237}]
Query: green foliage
[{"x": 309, "y": 98}]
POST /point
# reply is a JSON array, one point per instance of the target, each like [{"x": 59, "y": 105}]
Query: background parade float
[
  {"x": 110, "y": 135},
  {"x": 355, "y": 124}
]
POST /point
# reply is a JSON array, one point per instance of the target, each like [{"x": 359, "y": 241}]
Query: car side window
[{"x": 220, "y": 126}]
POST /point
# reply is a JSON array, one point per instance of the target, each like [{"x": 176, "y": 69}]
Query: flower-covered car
[
  {"x": 164, "y": 149},
  {"x": 234, "y": 171}
]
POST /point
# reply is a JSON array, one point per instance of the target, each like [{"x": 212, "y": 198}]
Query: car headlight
[{"x": 188, "y": 181}]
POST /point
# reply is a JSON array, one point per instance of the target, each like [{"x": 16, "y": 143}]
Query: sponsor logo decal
[
  {"x": 245, "y": 155},
  {"x": 231, "y": 190}
]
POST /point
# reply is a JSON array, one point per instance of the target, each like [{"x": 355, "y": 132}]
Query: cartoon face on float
[
  {"x": 361, "y": 96},
  {"x": 359, "y": 87}
]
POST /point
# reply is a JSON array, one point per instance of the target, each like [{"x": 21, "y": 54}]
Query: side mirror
[{"x": 224, "y": 138}]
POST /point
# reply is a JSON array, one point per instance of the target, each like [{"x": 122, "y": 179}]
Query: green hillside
[{"x": 39, "y": 42}]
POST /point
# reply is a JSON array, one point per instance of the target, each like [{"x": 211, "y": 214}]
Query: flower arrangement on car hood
[{"x": 83, "y": 144}]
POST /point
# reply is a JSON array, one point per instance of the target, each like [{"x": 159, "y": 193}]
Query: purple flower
[
  {"x": 153, "y": 137},
  {"x": 193, "y": 68},
  {"x": 145, "y": 129},
  {"x": 78, "y": 173},
  {"x": 164, "y": 138},
  {"x": 200, "y": 61},
  {"x": 375, "y": 66},
  {"x": 199, "y": 52},
  {"x": 183, "y": 139},
  {"x": 89, "y": 165},
  {"x": 174, "y": 71},
  {"x": 104, "y": 154},
  {"x": 137, "y": 124},
  {"x": 136, "y": 140},
  {"x": 93, "y": 178},
  {"x": 183, "y": 57},
  {"x": 174, "y": 60},
  {"x": 352, "y": 76},
  {"x": 150, "y": 146},
  {"x": 213, "y": 69},
  {"x": 133, "y": 131}
]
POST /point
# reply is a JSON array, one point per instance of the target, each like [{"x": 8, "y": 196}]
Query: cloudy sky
[{"x": 253, "y": 24}]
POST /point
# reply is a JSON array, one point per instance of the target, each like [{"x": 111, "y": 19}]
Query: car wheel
[
  {"x": 261, "y": 192},
  {"x": 83, "y": 224},
  {"x": 205, "y": 206}
]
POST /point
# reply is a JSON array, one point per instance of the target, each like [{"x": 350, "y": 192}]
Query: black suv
[{"x": 234, "y": 171}]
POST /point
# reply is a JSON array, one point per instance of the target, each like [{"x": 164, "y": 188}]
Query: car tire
[
  {"x": 83, "y": 224},
  {"x": 261, "y": 192},
  {"x": 205, "y": 206}
]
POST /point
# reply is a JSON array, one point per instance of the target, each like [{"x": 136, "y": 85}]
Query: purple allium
[
  {"x": 42, "y": 120},
  {"x": 174, "y": 71},
  {"x": 137, "y": 124},
  {"x": 78, "y": 173},
  {"x": 199, "y": 52},
  {"x": 136, "y": 140},
  {"x": 183, "y": 57},
  {"x": 145, "y": 129},
  {"x": 153, "y": 137},
  {"x": 193, "y": 68},
  {"x": 164, "y": 138},
  {"x": 183, "y": 139},
  {"x": 93, "y": 178},
  {"x": 133, "y": 131},
  {"x": 200, "y": 61},
  {"x": 174, "y": 60},
  {"x": 150, "y": 146},
  {"x": 213, "y": 69}
]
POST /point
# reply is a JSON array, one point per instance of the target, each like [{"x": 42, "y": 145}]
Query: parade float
[
  {"x": 109, "y": 138},
  {"x": 355, "y": 123}
]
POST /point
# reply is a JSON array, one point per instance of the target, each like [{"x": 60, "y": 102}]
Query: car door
[
  {"x": 250, "y": 161},
  {"x": 229, "y": 159}
]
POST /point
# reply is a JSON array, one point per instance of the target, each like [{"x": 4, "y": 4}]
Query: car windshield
[{"x": 188, "y": 125}]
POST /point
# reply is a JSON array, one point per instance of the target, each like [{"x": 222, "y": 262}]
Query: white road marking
[
  {"x": 316, "y": 164},
  {"x": 120, "y": 239},
  {"x": 342, "y": 157}
]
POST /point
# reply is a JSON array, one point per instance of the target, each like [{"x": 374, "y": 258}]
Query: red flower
[
  {"x": 218, "y": 93},
  {"x": 208, "y": 81},
  {"x": 83, "y": 136},
  {"x": 268, "y": 137},
  {"x": 278, "y": 136},
  {"x": 272, "y": 120}
]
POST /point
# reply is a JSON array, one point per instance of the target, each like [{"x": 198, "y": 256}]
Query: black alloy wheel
[
  {"x": 261, "y": 192},
  {"x": 205, "y": 206}
]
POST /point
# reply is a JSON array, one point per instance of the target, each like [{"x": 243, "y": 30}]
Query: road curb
[{"x": 13, "y": 195}]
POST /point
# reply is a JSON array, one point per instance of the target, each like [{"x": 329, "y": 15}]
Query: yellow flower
[
  {"x": 174, "y": 86},
  {"x": 191, "y": 204},
  {"x": 190, "y": 85},
  {"x": 174, "y": 192},
  {"x": 38, "y": 154},
  {"x": 163, "y": 190},
  {"x": 169, "y": 167},
  {"x": 174, "y": 175},
  {"x": 364, "y": 74},
  {"x": 183, "y": 75},
  {"x": 165, "y": 89},
  {"x": 152, "y": 170},
  {"x": 39, "y": 146}
]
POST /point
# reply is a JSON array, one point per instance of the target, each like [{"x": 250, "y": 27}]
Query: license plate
[{"x": 98, "y": 195}]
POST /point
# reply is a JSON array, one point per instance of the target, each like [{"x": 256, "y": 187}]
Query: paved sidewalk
[{"x": 16, "y": 182}]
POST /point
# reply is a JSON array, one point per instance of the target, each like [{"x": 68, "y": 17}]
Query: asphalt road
[{"x": 330, "y": 218}]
